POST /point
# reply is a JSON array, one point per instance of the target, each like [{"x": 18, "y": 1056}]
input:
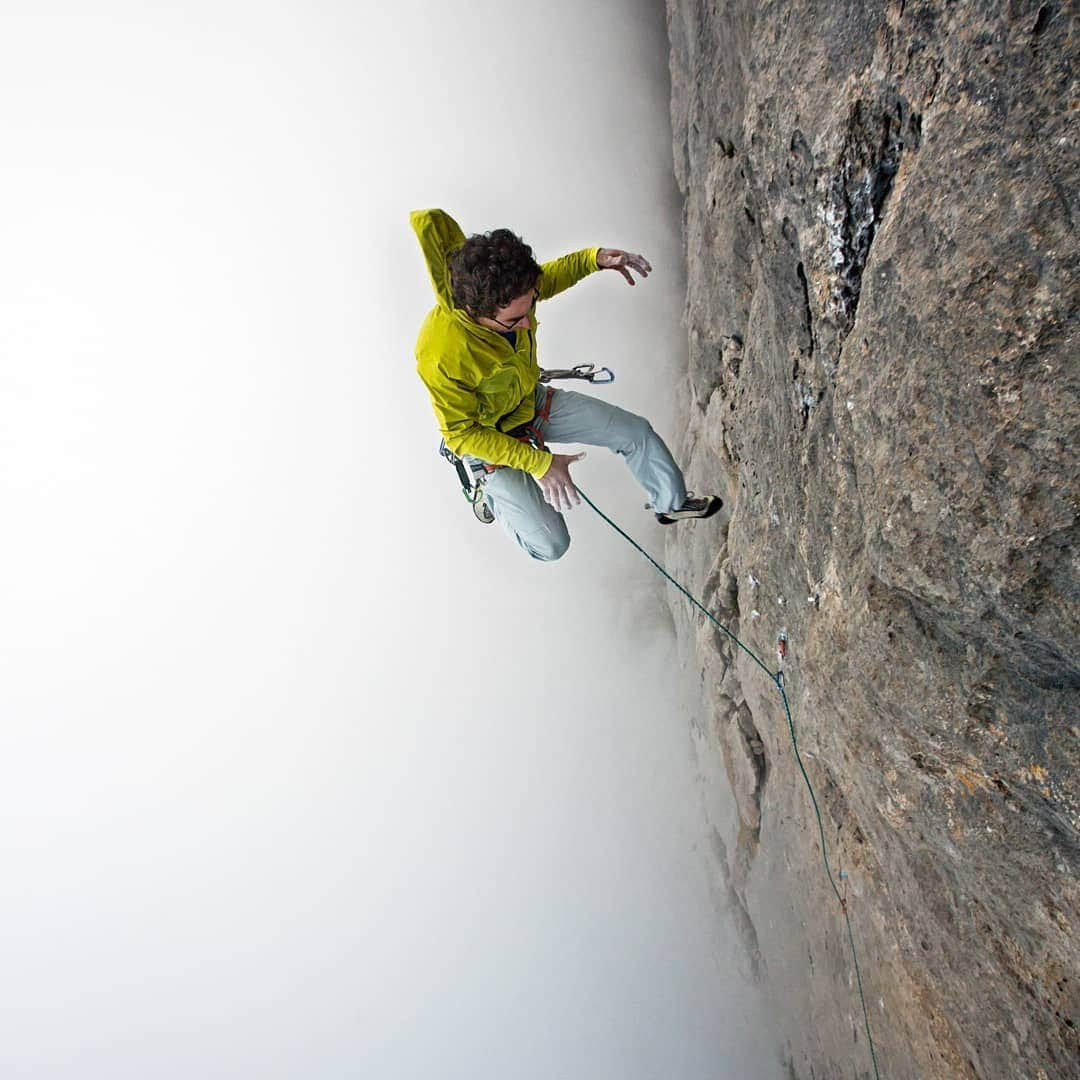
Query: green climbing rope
[{"x": 777, "y": 679}]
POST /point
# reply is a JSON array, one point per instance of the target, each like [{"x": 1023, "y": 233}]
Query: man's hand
[
  {"x": 624, "y": 262},
  {"x": 556, "y": 484}
]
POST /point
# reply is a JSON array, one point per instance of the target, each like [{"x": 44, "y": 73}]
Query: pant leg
[
  {"x": 519, "y": 507},
  {"x": 580, "y": 418}
]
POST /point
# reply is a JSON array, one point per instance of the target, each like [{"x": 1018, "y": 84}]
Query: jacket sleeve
[
  {"x": 457, "y": 413},
  {"x": 439, "y": 235},
  {"x": 560, "y": 274}
]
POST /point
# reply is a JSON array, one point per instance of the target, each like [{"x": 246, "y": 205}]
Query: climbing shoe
[{"x": 692, "y": 508}]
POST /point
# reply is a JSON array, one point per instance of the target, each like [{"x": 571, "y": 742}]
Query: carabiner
[{"x": 590, "y": 372}]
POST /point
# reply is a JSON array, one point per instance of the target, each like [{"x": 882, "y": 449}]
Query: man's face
[{"x": 517, "y": 315}]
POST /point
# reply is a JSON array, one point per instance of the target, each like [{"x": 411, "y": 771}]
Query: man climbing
[{"x": 476, "y": 354}]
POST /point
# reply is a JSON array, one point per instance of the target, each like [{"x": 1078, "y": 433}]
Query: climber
[{"x": 476, "y": 354}]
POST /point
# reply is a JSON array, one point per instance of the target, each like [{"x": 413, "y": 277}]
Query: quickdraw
[
  {"x": 473, "y": 473},
  {"x": 588, "y": 372}
]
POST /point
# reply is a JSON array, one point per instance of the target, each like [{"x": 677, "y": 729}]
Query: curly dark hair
[{"x": 490, "y": 270}]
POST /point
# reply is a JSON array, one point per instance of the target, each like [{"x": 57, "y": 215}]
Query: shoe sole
[{"x": 667, "y": 519}]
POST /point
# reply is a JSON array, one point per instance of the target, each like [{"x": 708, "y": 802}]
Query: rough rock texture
[{"x": 883, "y": 383}]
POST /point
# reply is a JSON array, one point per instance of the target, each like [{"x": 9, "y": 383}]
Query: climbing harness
[
  {"x": 472, "y": 473},
  {"x": 777, "y": 679},
  {"x": 530, "y": 432}
]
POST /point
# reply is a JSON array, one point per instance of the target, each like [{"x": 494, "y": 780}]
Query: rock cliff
[{"x": 883, "y": 383}]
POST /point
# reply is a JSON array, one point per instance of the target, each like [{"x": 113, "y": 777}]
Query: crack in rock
[{"x": 855, "y": 199}]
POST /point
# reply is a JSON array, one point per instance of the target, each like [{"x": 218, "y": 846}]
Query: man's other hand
[
  {"x": 624, "y": 262},
  {"x": 556, "y": 484}
]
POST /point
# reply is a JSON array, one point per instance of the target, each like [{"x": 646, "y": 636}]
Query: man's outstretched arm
[
  {"x": 439, "y": 234},
  {"x": 559, "y": 274}
]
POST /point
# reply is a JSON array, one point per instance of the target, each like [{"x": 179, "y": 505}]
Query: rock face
[{"x": 883, "y": 383}]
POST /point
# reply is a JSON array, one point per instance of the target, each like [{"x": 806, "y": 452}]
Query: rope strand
[{"x": 777, "y": 679}]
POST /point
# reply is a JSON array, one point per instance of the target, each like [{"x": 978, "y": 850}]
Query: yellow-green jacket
[{"x": 480, "y": 384}]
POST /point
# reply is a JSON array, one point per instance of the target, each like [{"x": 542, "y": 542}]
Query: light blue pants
[{"x": 517, "y": 501}]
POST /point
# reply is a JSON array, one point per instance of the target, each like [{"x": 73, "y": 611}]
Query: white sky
[{"x": 302, "y": 771}]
